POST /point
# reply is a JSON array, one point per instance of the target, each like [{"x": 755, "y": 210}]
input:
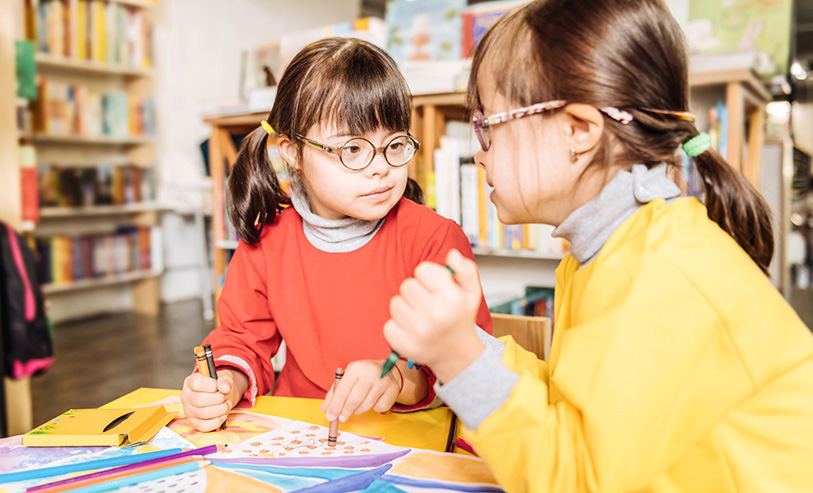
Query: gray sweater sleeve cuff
[
  {"x": 490, "y": 341},
  {"x": 480, "y": 389}
]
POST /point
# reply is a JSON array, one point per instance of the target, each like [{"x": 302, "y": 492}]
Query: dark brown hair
[
  {"x": 348, "y": 82},
  {"x": 630, "y": 54}
]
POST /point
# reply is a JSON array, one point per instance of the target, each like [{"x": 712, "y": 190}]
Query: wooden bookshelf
[
  {"x": 99, "y": 210},
  {"x": 45, "y": 139},
  {"x": 100, "y": 77},
  {"x": 130, "y": 277},
  {"x": 522, "y": 254},
  {"x": 57, "y": 64}
]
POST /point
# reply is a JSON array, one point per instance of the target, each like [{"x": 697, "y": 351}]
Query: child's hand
[
  {"x": 360, "y": 390},
  {"x": 432, "y": 318},
  {"x": 207, "y": 401}
]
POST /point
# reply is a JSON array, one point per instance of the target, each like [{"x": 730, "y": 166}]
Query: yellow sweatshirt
[{"x": 675, "y": 366}]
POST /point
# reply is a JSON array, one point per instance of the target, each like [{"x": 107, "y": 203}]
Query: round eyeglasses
[{"x": 358, "y": 152}]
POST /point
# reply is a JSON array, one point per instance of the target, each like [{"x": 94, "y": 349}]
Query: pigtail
[
  {"x": 413, "y": 192},
  {"x": 254, "y": 195},
  {"x": 734, "y": 204}
]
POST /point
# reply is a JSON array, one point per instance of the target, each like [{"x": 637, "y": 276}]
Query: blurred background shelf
[
  {"x": 43, "y": 138},
  {"x": 99, "y": 210},
  {"x": 51, "y": 289},
  {"x": 66, "y": 65}
]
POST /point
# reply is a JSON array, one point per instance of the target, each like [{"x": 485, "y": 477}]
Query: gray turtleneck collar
[
  {"x": 332, "y": 235},
  {"x": 589, "y": 227}
]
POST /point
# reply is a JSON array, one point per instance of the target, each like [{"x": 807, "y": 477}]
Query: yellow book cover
[
  {"x": 99, "y": 31},
  {"x": 99, "y": 427},
  {"x": 82, "y": 30},
  {"x": 482, "y": 203}
]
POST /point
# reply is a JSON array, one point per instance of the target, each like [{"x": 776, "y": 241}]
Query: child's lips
[{"x": 381, "y": 193}]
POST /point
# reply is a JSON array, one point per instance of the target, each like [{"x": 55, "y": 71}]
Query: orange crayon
[{"x": 333, "y": 431}]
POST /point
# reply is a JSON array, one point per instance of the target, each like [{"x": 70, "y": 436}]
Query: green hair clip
[{"x": 697, "y": 145}]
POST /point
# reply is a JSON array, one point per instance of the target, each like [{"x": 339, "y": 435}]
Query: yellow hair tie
[{"x": 268, "y": 128}]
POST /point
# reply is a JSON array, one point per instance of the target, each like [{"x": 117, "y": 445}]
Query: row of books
[
  {"x": 68, "y": 186},
  {"x": 461, "y": 193},
  {"x": 75, "y": 109},
  {"x": 65, "y": 259},
  {"x": 93, "y": 30}
]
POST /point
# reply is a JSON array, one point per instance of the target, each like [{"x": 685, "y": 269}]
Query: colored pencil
[
  {"x": 83, "y": 466},
  {"x": 109, "y": 475},
  {"x": 143, "y": 478},
  {"x": 209, "y": 449}
]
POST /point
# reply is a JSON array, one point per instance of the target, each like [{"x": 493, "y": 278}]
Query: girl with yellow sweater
[{"x": 675, "y": 365}]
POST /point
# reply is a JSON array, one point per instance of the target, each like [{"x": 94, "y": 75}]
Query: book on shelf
[
  {"x": 28, "y": 183},
  {"x": 90, "y": 30},
  {"x": 75, "y": 186},
  {"x": 75, "y": 109},
  {"x": 71, "y": 258}
]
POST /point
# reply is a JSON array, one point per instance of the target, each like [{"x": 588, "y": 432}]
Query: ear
[
  {"x": 584, "y": 126},
  {"x": 288, "y": 149}
]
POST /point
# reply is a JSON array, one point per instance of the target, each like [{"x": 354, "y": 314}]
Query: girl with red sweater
[{"x": 320, "y": 273}]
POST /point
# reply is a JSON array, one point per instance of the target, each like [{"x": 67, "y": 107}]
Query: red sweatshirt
[{"x": 329, "y": 308}]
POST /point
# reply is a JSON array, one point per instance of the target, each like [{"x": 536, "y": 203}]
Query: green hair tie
[{"x": 697, "y": 145}]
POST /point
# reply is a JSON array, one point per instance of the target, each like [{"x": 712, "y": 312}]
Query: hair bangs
[{"x": 358, "y": 92}]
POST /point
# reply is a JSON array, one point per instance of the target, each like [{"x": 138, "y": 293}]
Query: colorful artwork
[
  {"x": 299, "y": 439},
  {"x": 15, "y": 457},
  {"x": 240, "y": 426},
  {"x": 421, "y": 30},
  {"x": 275, "y": 455},
  {"x": 759, "y": 26}
]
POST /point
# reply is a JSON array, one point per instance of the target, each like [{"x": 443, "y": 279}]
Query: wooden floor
[{"x": 100, "y": 359}]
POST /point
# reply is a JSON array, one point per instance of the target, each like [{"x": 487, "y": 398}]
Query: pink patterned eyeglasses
[{"x": 482, "y": 123}]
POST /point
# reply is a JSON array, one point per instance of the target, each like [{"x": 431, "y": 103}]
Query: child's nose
[{"x": 379, "y": 165}]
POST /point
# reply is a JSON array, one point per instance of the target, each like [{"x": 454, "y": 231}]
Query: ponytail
[
  {"x": 736, "y": 206},
  {"x": 413, "y": 192},
  {"x": 254, "y": 195}
]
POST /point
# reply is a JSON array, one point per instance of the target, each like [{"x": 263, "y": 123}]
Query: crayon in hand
[
  {"x": 393, "y": 358},
  {"x": 333, "y": 431},
  {"x": 206, "y": 365}
]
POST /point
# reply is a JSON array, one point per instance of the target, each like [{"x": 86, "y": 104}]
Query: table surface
[{"x": 426, "y": 429}]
